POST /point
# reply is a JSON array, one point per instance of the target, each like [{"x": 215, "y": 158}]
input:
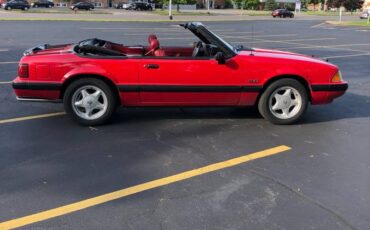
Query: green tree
[
  {"x": 314, "y": 2},
  {"x": 271, "y": 4},
  {"x": 250, "y": 4},
  {"x": 350, "y": 5},
  {"x": 238, "y": 3}
]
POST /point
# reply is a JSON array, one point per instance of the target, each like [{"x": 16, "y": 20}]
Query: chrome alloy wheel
[
  {"x": 89, "y": 102},
  {"x": 285, "y": 102}
]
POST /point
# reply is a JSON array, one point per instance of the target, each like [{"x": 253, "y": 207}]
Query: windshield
[{"x": 223, "y": 41}]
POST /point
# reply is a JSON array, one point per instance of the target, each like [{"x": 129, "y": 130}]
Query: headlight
[{"x": 337, "y": 77}]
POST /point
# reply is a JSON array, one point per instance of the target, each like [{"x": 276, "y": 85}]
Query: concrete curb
[{"x": 115, "y": 20}]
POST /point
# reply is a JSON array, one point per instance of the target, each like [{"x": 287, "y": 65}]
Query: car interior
[{"x": 98, "y": 47}]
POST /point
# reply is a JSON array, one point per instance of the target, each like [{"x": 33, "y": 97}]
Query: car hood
[{"x": 277, "y": 54}]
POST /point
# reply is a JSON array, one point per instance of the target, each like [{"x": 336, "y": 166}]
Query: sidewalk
[{"x": 139, "y": 16}]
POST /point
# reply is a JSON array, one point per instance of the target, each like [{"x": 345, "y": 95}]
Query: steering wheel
[{"x": 197, "y": 49}]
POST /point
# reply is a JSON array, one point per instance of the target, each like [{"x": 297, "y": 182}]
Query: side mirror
[{"x": 220, "y": 57}]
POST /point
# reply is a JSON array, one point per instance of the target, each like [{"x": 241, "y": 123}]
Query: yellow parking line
[
  {"x": 63, "y": 210},
  {"x": 11, "y": 120}
]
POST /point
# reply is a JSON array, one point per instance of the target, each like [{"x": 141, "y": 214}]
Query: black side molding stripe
[
  {"x": 37, "y": 86},
  {"x": 146, "y": 88},
  {"x": 169, "y": 88},
  {"x": 333, "y": 87}
]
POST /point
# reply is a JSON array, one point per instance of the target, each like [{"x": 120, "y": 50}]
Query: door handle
[{"x": 151, "y": 66}]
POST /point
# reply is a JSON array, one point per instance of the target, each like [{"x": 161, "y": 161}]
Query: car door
[{"x": 181, "y": 81}]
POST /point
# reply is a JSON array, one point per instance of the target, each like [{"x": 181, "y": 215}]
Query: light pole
[
  {"x": 170, "y": 9},
  {"x": 208, "y": 6}
]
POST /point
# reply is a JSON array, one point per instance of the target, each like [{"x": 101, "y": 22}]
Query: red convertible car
[{"x": 94, "y": 76}]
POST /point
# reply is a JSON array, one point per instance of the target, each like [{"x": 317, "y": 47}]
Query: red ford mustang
[{"x": 94, "y": 76}]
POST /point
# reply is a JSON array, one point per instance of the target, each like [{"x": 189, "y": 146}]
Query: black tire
[
  {"x": 264, "y": 107},
  {"x": 110, "y": 96},
  {"x": 292, "y": 16},
  {"x": 26, "y": 8},
  {"x": 8, "y": 8}
]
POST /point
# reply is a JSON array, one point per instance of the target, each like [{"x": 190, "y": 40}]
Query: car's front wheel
[
  {"x": 283, "y": 102},
  {"x": 89, "y": 101}
]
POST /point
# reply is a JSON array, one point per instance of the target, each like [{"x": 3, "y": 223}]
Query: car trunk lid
[{"x": 48, "y": 49}]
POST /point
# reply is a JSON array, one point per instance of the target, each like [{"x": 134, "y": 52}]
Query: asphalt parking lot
[{"x": 320, "y": 182}]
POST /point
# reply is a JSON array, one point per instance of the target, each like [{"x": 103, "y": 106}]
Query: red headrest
[
  {"x": 151, "y": 37},
  {"x": 154, "y": 44}
]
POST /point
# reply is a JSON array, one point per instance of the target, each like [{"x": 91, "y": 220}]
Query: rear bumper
[
  {"x": 323, "y": 94},
  {"x": 36, "y": 91}
]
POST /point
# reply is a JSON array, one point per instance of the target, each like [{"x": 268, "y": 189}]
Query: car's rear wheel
[
  {"x": 26, "y": 8},
  {"x": 8, "y": 8},
  {"x": 89, "y": 101},
  {"x": 283, "y": 102}
]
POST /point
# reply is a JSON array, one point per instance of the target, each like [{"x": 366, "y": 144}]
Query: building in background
[{"x": 366, "y": 5}]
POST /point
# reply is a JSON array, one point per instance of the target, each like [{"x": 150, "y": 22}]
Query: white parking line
[
  {"x": 190, "y": 38},
  {"x": 344, "y": 56},
  {"x": 123, "y": 28},
  {"x": 4, "y": 50},
  {"x": 5, "y": 82},
  {"x": 318, "y": 46},
  {"x": 157, "y": 33},
  {"x": 318, "y": 25},
  {"x": 293, "y": 40},
  {"x": 263, "y": 36},
  {"x": 8, "y": 62}
]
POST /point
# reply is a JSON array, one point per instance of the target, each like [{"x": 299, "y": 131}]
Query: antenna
[{"x": 252, "y": 37}]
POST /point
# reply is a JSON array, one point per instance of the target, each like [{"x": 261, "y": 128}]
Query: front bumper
[{"x": 326, "y": 93}]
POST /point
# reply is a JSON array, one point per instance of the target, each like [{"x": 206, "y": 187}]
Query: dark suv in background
[
  {"x": 141, "y": 6},
  {"x": 17, "y": 4},
  {"x": 282, "y": 13},
  {"x": 82, "y": 6},
  {"x": 42, "y": 3}
]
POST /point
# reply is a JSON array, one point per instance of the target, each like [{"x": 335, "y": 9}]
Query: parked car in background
[
  {"x": 365, "y": 15},
  {"x": 125, "y": 6},
  {"x": 282, "y": 13},
  {"x": 82, "y": 6},
  {"x": 141, "y": 6},
  {"x": 17, "y": 4},
  {"x": 42, "y": 3}
]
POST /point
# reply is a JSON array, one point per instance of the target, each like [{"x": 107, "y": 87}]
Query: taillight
[{"x": 23, "y": 70}]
